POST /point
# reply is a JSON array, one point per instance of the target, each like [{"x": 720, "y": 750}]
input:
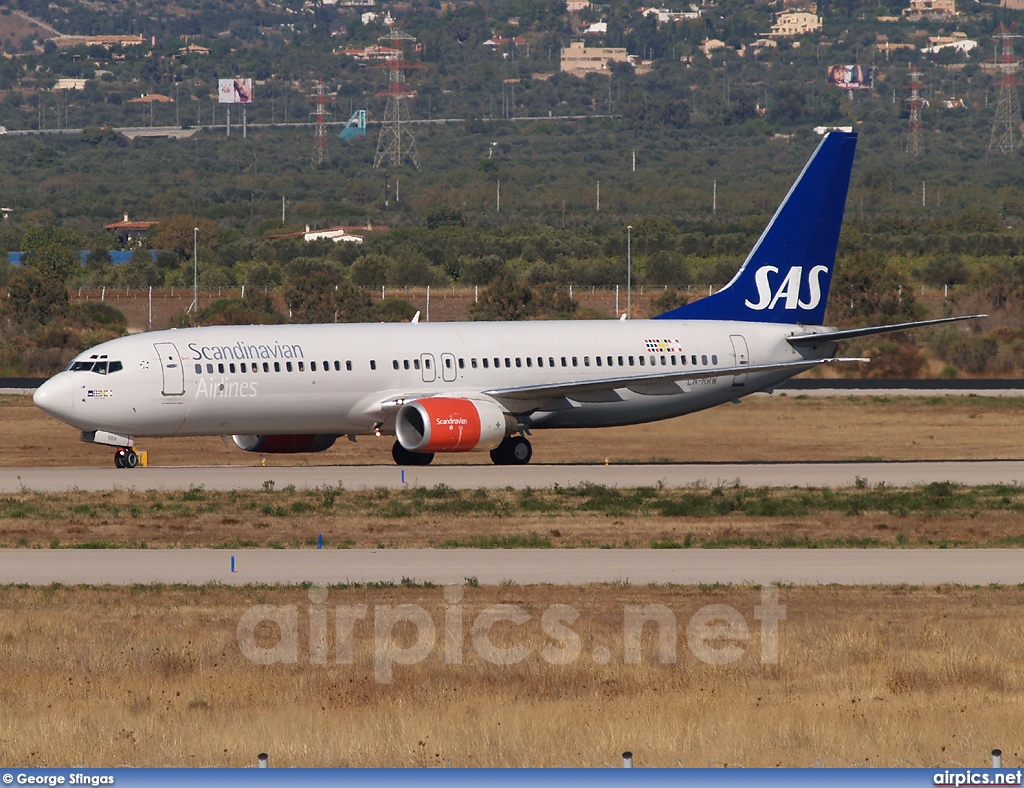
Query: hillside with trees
[{"x": 716, "y": 142}]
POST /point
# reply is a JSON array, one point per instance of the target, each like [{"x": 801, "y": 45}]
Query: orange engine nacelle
[{"x": 451, "y": 424}]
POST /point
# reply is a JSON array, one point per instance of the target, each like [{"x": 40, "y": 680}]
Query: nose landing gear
[{"x": 125, "y": 457}]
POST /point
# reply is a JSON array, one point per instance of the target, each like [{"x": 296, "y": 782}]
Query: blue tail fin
[{"x": 786, "y": 277}]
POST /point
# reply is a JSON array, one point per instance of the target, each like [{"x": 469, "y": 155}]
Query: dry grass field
[
  {"x": 155, "y": 677},
  {"x": 761, "y": 428}
]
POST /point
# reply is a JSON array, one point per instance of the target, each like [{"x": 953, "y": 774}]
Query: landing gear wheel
[
  {"x": 131, "y": 459},
  {"x": 512, "y": 451},
  {"x": 403, "y": 456}
]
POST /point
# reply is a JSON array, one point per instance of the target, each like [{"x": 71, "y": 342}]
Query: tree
[
  {"x": 255, "y": 309},
  {"x": 177, "y": 234},
  {"x": 371, "y": 270},
  {"x": 52, "y": 251},
  {"x": 35, "y": 298},
  {"x": 313, "y": 297},
  {"x": 506, "y": 298}
]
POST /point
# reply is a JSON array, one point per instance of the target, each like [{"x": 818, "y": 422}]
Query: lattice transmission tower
[
  {"x": 396, "y": 141},
  {"x": 914, "y": 127},
  {"x": 1006, "y": 128},
  {"x": 320, "y": 99}
]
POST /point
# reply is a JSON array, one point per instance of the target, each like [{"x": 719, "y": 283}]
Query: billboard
[
  {"x": 850, "y": 77},
  {"x": 234, "y": 91}
]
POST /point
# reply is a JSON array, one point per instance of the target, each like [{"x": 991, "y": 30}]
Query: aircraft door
[
  {"x": 171, "y": 369},
  {"x": 427, "y": 367},
  {"x": 739, "y": 349},
  {"x": 448, "y": 370}
]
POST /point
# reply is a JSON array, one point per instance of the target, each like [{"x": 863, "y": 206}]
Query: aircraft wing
[
  {"x": 802, "y": 340},
  {"x": 669, "y": 382}
]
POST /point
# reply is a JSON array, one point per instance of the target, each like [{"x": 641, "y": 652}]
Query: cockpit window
[{"x": 100, "y": 367}]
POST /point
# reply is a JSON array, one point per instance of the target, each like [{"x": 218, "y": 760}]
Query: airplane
[{"x": 480, "y": 386}]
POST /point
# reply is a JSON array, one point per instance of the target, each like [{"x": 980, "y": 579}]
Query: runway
[
  {"x": 361, "y": 477},
  {"x": 525, "y": 567}
]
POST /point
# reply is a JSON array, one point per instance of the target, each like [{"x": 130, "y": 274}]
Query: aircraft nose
[{"x": 55, "y": 397}]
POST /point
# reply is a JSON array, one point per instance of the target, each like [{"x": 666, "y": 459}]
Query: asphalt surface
[
  {"x": 525, "y": 567},
  {"x": 360, "y": 477}
]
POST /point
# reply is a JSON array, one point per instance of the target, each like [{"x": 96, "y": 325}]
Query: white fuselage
[{"x": 335, "y": 379}]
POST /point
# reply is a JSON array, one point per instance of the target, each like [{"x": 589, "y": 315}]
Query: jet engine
[
  {"x": 284, "y": 444},
  {"x": 437, "y": 424}
]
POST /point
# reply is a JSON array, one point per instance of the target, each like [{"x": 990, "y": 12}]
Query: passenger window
[
  {"x": 395, "y": 363},
  {"x": 714, "y": 360},
  {"x": 288, "y": 366},
  {"x": 415, "y": 363},
  {"x": 575, "y": 361},
  {"x": 497, "y": 363},
  {"x": 462, "y": 363},
  {"x": 327, "y": 366},
  {"x": 266, "y": 367},
  {"x": 405, "y": 363},
  {"x": 641, "y": 361},
  {"x": 674, "y": 362},
  {"x": 485, "y": 363},
  {"x": 242, "y": 367},
  {"x": 231, "y": 368},
  {"x": 704, "y": 360},
  {"x": 426, "y": 363},
  {"x": 472, "y": 362},
  {"x": 551, "y": 361},
  {"x": 220, "y": 368},
  {"x": 693, "y": 360},
  {"x": 683, "y": 362},
  {"x": 508, "y": 362},
  {"x": 277, "y": 366},
  {"x": 302, "y": 366},
  {"x": 373, "y": 364},
  {"x": 586, "y": 361},
  {"x": 447, "y": 363},
  {"x": 620, "y": 361},
  {"x": 598, "y": 360},
  {"x": 563, "y": 362},
  {"x": 610, "y": 362},
  {"x": 664, "y": 361},
  {"x": 199, "y": 369},
  {"x": 209, "y": 369},
  {"x": 312, "y": 366},
  {"x": 348, "y": 366},
  {"x": 630, "y": 361}
]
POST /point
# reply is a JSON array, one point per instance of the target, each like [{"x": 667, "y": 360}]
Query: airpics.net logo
[{"x": 405, "y": 635}]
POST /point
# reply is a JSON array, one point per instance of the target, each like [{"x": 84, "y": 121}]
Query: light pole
[
  {"x": 629, "y": 272},
  {"x": 195, "y": 268}
]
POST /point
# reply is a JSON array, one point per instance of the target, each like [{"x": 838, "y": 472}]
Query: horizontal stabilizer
[{"x": 805, "y": 340}]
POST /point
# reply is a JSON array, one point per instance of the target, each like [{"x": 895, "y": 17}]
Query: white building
[{"x": 795, "y": 23}]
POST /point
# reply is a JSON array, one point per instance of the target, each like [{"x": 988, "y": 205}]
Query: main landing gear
[
  {"x": 514, "y": 450},
  {"x": 125, "y": 457},
  {"x": 403, "y": 456}
]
